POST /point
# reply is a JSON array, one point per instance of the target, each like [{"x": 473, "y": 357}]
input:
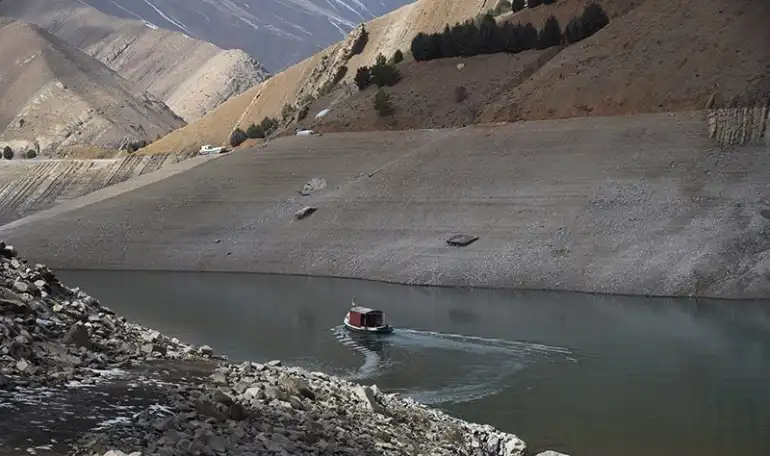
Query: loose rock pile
[
  {"x": 266, "y": 409},
  {"x": 51, "y": 334}
]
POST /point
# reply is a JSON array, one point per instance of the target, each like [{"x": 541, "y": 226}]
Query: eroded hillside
[
  {"x": 661, "y": 56},
  {"x": 653, "y": 56},
  {"x": 53, "y": 95},
  {"x": 309, "y": 77},
  {"x": 191, "y": 76}
]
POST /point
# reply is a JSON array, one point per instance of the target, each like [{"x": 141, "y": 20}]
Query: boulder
[
  {"x": 221, "y": 397},
  {"x": 237, "y": 412},
  {"x": 514, "y": 447},
  {"x": 21, "y": 287},
  {"x": 271, "y": 392},
  {"x": 297, "y": 387},
  {"x": 22, "y": 365},
  {"x": 313, "y": 185},
  {"x": 305, "y": 212},
  {"x": 367, "y": 396},
  {"x": 20, "y": 349},
  {"x": 78, "y": 336}
]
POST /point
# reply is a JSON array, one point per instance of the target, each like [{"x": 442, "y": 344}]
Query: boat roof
[{"x": 364, "y": 310}]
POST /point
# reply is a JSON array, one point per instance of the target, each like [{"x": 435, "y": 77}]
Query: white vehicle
[
  {"x": 307, "y": 133},
  {"x": 207, "y": 150}
]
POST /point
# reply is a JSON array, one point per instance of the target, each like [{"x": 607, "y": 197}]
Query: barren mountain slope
[
  {"x": 190, "y": 75},
  {"x": 662, "y": 56},
  {"x": 430, "y": 98},
  {"x": 607, "y": 74},
  {"x": 385, "y": 34},
  {"x": 53, "y": 95},
  {"x": 278, "y": 33}
]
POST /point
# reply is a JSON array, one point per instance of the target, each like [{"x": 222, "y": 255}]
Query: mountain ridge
[
  {"x": 278, "y": 33},
  {"x": 53, "y": 95},
  {"x": 191, "y": 76}
]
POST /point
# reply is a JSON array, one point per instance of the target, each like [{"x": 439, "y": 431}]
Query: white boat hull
[{"x": 368, "y": 329}]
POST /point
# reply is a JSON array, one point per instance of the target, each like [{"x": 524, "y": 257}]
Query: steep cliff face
[
  {"x": 191, "y": 76},
  {"x": 53, "y": 95}
]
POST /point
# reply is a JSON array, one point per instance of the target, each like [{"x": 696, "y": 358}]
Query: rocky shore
[{"x": 54, "y": 335}]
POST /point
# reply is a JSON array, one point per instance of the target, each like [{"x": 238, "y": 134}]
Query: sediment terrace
[
  {"x": 28, "y": 186},
  {"x": 638, "y": 205}
]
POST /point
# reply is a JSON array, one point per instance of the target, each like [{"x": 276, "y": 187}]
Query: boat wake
[
  {"x": 372, "y": 359},
  {"x": 474, "y": 344},
  {"x": 474, "y": 367}
]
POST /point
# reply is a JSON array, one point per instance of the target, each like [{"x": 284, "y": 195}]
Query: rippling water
[
  {"x": 494, "y": 361},
  {"x": 587, "y": 375}
]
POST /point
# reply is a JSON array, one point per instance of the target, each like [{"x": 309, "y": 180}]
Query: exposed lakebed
[{"x": 588, "y": 375}]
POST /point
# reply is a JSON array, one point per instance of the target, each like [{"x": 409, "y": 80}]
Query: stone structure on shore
[{"x": 51, "y": 334}]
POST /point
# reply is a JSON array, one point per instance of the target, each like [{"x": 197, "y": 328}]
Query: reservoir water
[{"x": 586, "y": 375}]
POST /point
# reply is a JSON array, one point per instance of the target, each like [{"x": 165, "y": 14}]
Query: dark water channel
[{"x": 586, "y": 375}]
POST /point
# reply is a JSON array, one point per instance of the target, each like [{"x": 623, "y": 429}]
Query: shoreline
[
  {"x": 428, "y": 285},
  {"x": 54, "y": 335}
]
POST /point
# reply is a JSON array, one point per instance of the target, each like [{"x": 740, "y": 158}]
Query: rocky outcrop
[
  {"x": 191, "y": 76},
  {"x": 51, "y": 334},
  {"x": 741, "y": 124},
  {"x": 332, "y": 65}
]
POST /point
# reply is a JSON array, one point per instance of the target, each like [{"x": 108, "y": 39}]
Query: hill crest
[
  {"x": 53, "y": 95},
  {"x": 191, "y": 76}
]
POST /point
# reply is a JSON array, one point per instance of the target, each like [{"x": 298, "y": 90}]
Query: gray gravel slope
[{"x": 637, "y": 205}]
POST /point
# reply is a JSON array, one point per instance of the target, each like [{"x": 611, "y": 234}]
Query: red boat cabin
[{"x": 363, "y": 317}]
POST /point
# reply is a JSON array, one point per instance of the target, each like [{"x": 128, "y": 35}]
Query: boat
[{"x": 365, "y": 320}]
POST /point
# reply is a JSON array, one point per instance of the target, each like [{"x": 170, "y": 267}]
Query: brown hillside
[
  {"x": 385, "y": 34},
  {"x": 655, "y": 55},
  {"x": 662, "y": 56},
  {"x": 508, "y": 88},
  {"x": 53, "y": 95},
  {"x": 427, "y": 96},
  {"x": 264, "y": 99}
]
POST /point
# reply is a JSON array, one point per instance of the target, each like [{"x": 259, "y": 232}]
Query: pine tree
[
  {"x": 382, "y": 103},
  {"x": 550, "y": 34},
  {"x": 363, "y": 77},
  {"x": 237, "y": 137}
]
